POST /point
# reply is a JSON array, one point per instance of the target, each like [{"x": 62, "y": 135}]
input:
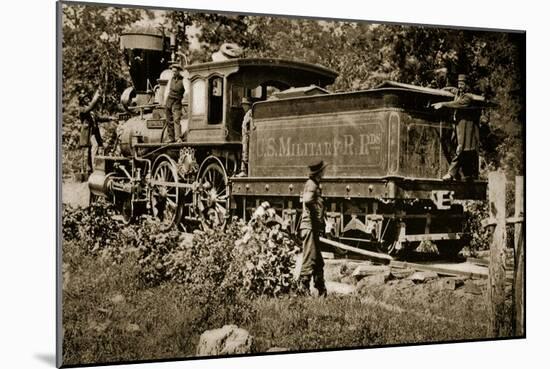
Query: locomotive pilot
[
  {"x": 311, "y": 226},
  {"x": 173, "y": 104},
  {"x": 466, "y": 131},
  {"x": 246, "y": 103}
]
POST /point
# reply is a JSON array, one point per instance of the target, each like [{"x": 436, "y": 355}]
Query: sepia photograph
[{"x": 242, "y": 184}]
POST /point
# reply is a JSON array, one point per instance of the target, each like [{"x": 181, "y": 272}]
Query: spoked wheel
[
  {"x": 166, "y": 196},
  {"x": 213, "y": 200}
]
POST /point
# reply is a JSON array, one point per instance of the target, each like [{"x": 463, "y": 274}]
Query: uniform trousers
[
  {"x": 312, "y": 261},
  {"x": 173, "y": 117},
  {"x": 467, "y": 162}
]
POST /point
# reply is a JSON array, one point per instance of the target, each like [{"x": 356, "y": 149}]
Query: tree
[
  {"x": 365, "y": 54},
  {"x": 92, "y": 58}
]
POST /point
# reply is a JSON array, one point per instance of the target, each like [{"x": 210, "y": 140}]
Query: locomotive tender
[{"x": 387, "y": 150}]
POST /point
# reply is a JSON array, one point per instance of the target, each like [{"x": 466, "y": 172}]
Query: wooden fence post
[
  {"x": 497, "y": 264},
  {"x": 519, "y": 265}
]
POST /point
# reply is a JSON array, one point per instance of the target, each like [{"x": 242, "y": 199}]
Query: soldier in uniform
[
  {"x": 246, "y": 103},
  {"x": 173, "y": 106},
  {"x": 90, "y": 127},
  {"x": 311, "y": 226},
  {"x": 466, "y": 131}
]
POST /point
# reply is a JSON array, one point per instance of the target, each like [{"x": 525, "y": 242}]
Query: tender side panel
[
  {"x": 424, "y": 145},
  {"x": 353, "y": 143}
]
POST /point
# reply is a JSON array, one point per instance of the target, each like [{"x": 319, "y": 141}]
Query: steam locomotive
[{"x": 387, "y": 150}]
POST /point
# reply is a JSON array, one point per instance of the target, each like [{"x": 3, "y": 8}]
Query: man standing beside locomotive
[
  {"x": 173, "y": 106},
  {"x": 311, "y": 226},
  {"x": 466, "y": 132},
  {"x": 90, "y": 127},
  {"x": 246, "y": 103}
]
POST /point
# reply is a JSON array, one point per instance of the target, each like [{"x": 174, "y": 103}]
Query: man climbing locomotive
[
  {"x": 89, "y": 130},
  {"x": 466, "y": 120}
]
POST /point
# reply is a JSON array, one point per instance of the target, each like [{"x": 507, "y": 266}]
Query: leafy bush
[
  {"x": 480, "y": 237},
  {"x": 94, "y": 226},
  {"x": 152, "y": 245},
  {"x": 264, "y": 259},
  {"x": 477, "y": 211},
  {"x": 240, "y": 259}
]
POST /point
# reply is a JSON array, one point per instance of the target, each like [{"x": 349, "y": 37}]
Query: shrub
[
  {"x": 94, "y": 226},
  {"x": 264, "y": 260},
  {"x": 477, "y": 211},
  {"x": 252, "y": 260},
  {"x": 153, "y": 246},
  {"x": 240, "y": 259},
  {"x": 480, "y": 237}
]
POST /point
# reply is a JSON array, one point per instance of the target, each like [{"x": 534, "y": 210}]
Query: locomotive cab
[{"x": 216, "y": 90}]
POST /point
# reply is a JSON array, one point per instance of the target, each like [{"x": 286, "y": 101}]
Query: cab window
[
  {"x": 215, "y": 100},
  {"x": 198, "y": 95}
]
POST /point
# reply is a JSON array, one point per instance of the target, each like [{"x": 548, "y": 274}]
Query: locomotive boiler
[{"x": 387, "y": 150}]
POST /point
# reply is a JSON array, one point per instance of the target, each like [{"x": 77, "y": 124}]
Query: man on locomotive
[
  {"x": 173, "y": 105},
  {"x": 246, "y": 103},
  {"x": 466, "y": 131},
  {"x": 90, "y": 126},
  {"x": 311, "y": 226}
]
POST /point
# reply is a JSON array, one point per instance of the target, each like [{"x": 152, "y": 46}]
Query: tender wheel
[
  {"x": 166, "y": 196},
  {"x": 213, "y": 199}
]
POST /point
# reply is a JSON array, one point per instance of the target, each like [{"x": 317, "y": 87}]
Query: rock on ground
[
  {"x": 421, "y": 277},
  {"x": 117, "y": 299},
  {"x": 374, "y": 280},
  {"x": 369, "y": 270},
  {"x": 228, "y": 340}
]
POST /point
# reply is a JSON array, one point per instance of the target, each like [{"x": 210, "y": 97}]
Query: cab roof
[{"x": 318, "y": 75}]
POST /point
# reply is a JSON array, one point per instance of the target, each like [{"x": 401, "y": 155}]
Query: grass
[{"x": 109, "y": 316}]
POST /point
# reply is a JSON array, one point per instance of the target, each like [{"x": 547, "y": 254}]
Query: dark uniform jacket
[
  {"x": 466, "y": 119},
  {"x": 175, "y": 89},
  {"x": 313, "y": 212}
]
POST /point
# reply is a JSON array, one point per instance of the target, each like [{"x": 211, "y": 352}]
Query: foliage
[
  {"x": 263, "y": 261},
  {"x": 169, "y": 317},
  {"x": 238, "y": 260},
  {"x": 479, "y": 236},
  {"x": 364, "y": 54},
  {"x": 152, "y": 245},
  {"x": 92, "y": 60},
  {"x": 93, "y": 227},
  {"x": 177, "y": 287}
]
